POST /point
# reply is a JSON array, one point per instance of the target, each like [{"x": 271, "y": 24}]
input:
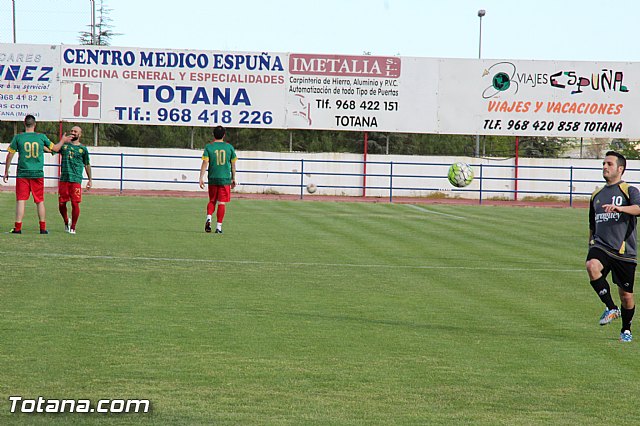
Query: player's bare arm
[
  {"x": 203, "y": 169},
  {"x": 633, "y": 210},
  {"x": 64, "y": 139},
  {"x": 87, "y": 169},
  {"x": 233, "y": 174},
  {"x": 7, "y": 164}
]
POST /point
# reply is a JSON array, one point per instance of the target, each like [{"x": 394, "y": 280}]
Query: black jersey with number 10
[{"x": 614, "y": 232}]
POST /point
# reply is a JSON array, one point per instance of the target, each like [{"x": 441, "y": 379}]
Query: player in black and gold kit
[{"x": 613, "y": 242}]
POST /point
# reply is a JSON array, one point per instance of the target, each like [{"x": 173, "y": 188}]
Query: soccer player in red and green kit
[
  {"x": 74, "y": 158},
  {"x": 30, "y": 147},
  {"x": 219, "y": 158}
]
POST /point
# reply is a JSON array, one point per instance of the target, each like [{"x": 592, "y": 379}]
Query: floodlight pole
[
  {"x": 481, "y": 13},
  {"x": 14, "y": 20},
  {"x": 94, "y": 41},
  {"x": 93, "y": 21},
  {"x": 15, "y": 125}
]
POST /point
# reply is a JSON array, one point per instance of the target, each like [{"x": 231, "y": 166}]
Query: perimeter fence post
[
  {"x": 570, "y": 186},
  {"x": 391, "y": 182},
  {"x": 480, "y": 198},
  {"x": 301, "y": 178},
  {"x": 121, "y": 170}
]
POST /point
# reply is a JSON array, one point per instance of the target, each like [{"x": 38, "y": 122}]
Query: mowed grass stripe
[{"x": 130, "y": 259}]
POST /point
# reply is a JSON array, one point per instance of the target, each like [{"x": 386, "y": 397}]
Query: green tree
[
  {"x": 542, "y": 147},
  {"x": 626, "y": 147},
  {"x": 103, "y": 31}
]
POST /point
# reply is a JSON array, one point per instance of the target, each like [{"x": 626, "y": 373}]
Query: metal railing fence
[{"x": 384, "y": 179}]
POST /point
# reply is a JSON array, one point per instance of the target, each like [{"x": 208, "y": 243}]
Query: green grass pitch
[{"x": 310, "y": 313}]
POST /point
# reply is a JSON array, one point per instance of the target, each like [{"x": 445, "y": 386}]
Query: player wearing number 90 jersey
[
  {"x": 219, "y": 159},
  {"x": 30, "y": 147}
]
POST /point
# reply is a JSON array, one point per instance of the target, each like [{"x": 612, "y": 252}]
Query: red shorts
[
  {"x": 26, "y": 186},
  {"x": 220, "y": 193},
  {"x": 69, "y": 191}
]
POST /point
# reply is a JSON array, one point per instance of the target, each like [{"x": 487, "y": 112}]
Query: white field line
[
  {"x": 422, "y": 209},
  {"x": 274, "y": 263}
]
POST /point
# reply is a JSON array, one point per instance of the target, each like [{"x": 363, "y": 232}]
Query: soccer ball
[
  {"x": 311, "y": 188},
  {"x": 460, "y": 175}
]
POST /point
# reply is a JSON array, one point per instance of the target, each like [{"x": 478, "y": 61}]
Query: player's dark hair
[
  {"x": 29, "y": 121},
  {"x": 621, "y": 160},
  {"x": 219, "y": 132}
]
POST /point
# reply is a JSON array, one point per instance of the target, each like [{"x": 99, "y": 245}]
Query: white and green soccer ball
[
  {"x": 311, "y": 188},
  {"x": 460, "y": 175}
]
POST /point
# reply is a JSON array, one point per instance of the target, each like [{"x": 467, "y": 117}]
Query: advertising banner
[
  {"x": 29, "y": 82},
  {"x": 172, "y": 87},
  {"x": 539, "y": 98},
  {"x": 104, "y": 84},
  {"x": 374, "y": 93}
]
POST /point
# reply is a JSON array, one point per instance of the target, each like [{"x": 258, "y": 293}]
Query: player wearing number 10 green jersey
[{"x": 219, "y": 158}]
